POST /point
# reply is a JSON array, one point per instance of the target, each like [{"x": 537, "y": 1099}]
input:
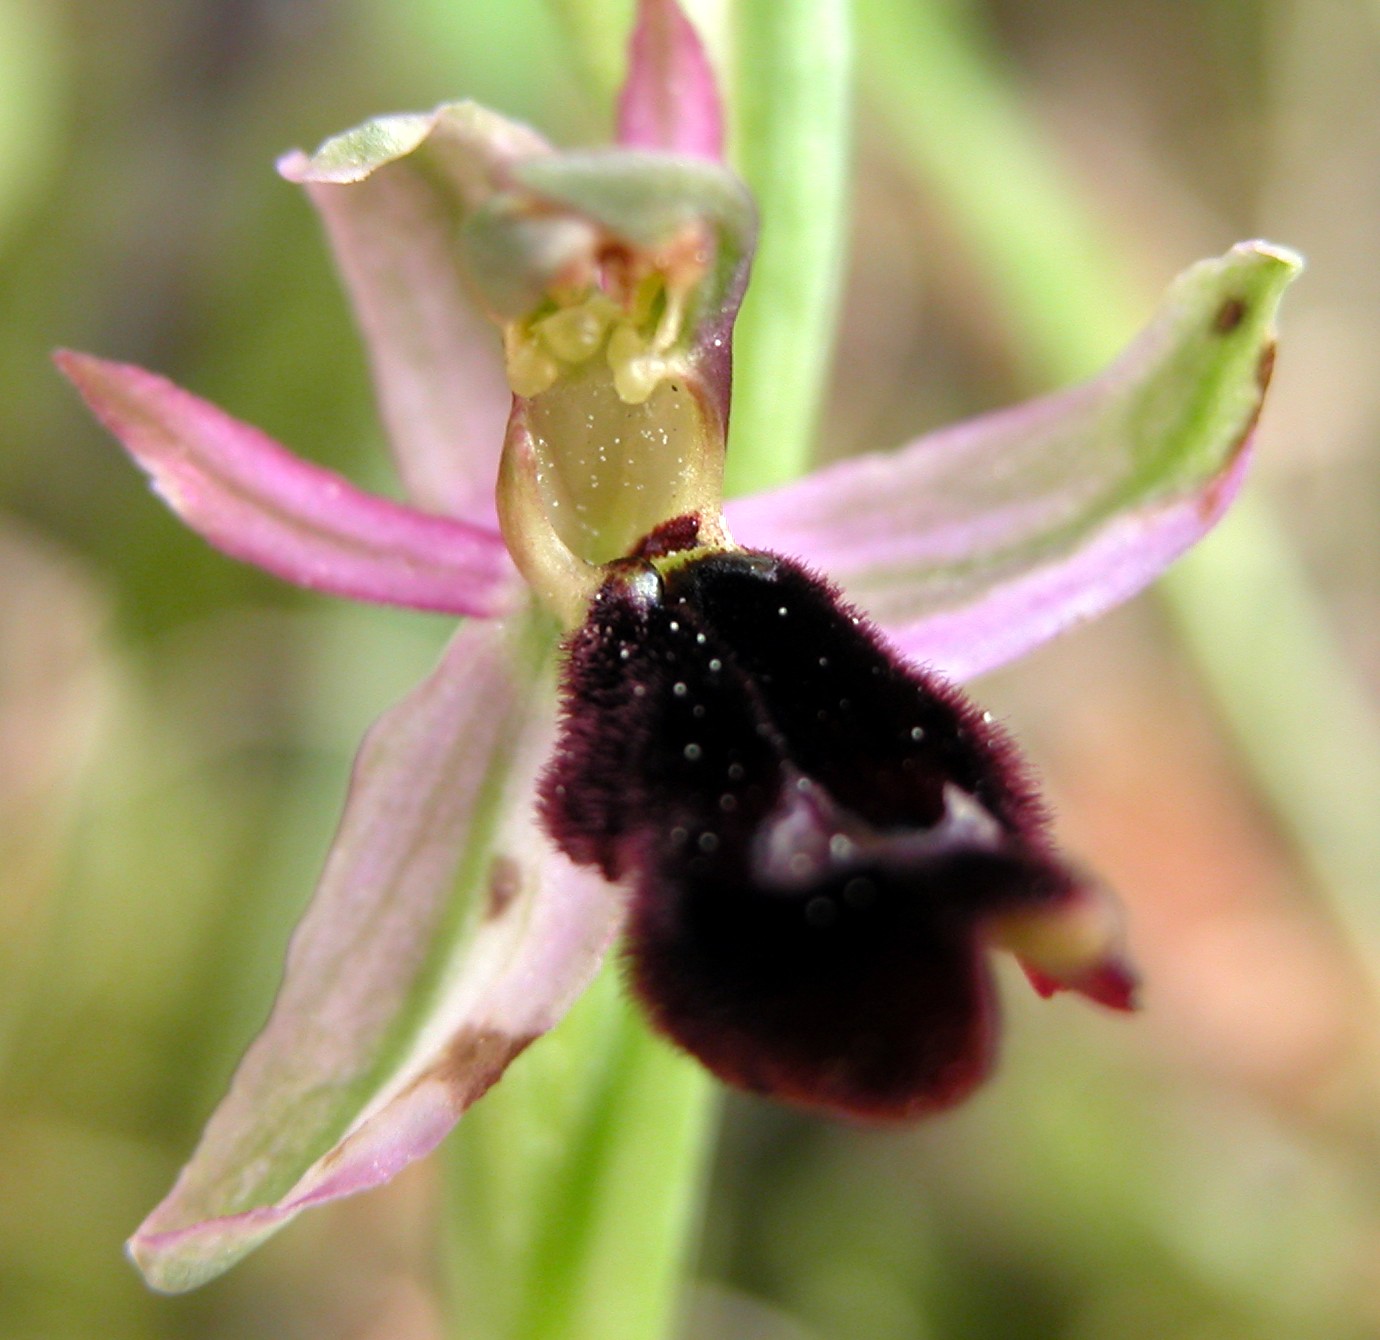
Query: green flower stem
[
  {"x": 1301, "y": 720},
  {"x": 653, "y": 1141},
  {"x": 577, "y": 1184},
  {"x": 791, "y": 98}
]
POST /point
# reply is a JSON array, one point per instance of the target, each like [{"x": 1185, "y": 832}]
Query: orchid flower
[{"x": 656, "y": 720}]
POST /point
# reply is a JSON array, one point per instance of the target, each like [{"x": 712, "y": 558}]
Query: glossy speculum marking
[{"x": 815, "y": 835}]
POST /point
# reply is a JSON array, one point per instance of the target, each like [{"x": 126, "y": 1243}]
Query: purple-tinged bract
[{"x": 816, "y": 836}]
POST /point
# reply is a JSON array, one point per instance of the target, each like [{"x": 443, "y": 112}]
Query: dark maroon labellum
[{"x": 814, "y": 834}]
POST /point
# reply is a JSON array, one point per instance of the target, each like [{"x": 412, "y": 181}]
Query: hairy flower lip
[
  {"x": 819, "y": 945},
  {"x": 808, "y": 832}
]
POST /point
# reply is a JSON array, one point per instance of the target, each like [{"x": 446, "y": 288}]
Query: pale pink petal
[
  {"x": 975, "y": 544},
  {"x": 392, "y": 194},
  {"x": 669, "y": 100},
  {"x": 440, "y": 943},
  {"x": 1117, "y": 560},
  {"x": 258, "y": 502}
]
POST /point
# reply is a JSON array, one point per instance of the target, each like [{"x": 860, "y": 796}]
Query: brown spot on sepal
[
  {"x": 505, "y": 883},
  {"x": 1212, "y": 500},
  {"x": 1229, "y": 316},
  {"x": 473, "y": 1061}
]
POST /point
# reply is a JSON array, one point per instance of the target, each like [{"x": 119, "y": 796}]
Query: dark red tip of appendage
[
  {"x": 814, "y": 834},
  {"x": 1045, "y": 985},
  {"x": 1114, "y": 985}
]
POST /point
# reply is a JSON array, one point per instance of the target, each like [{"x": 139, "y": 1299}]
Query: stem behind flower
[
  {"x": 577, "y": 1184},
  {"x": 791, "y": 99}
]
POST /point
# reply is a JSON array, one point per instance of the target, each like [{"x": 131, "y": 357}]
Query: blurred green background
[{"x": 175, "y": 729}]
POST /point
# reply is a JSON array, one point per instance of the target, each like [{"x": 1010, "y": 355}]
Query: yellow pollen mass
[{"x": 635, "y": 315}]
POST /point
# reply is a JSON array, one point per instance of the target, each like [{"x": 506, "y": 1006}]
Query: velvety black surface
[{"x": 813, "y": 833}]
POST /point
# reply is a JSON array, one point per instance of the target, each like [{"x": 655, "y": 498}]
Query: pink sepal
[
  {"x": 670, "y": 100},
  {"x": 256, "y": 501}
]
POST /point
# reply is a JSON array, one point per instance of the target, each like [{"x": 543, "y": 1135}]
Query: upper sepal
[
  {"x": 392, "y": 195},
  {"x": 670, "y": 99},
  {"x": 541, "y": 231},
  {"x": 614, "y": 277}
]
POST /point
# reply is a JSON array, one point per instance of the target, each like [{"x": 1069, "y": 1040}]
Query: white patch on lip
[
  {"x": 965, "y": 822},
  {"x": 809, "y": 835}
]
